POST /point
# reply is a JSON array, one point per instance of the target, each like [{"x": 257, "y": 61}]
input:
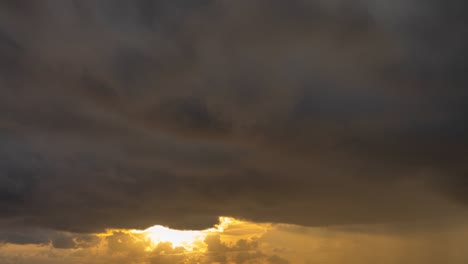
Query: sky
[{"x": 326, "y": 131}]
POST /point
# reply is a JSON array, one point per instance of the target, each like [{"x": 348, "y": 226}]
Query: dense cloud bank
[
  {"x": 247, "y": 243},
  {"x": 126, "y": 114}
]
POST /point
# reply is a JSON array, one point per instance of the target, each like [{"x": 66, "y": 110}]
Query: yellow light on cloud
[
  {"x": 230, "y": 229},
  {"x": 188, "y": 239}
]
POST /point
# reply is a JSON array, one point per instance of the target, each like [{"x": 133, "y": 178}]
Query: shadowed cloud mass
[{"x": 123, "y": 114}]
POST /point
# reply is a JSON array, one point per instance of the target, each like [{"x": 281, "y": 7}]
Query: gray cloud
[
  {"x": 126, "y": 114},
  {"x": 58, "y": 240}
]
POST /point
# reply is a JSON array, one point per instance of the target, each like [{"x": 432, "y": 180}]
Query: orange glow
[
  {"x": 188, "y": 239},
  {"x": 228, "y": 228},
  {"x": 177, "y": 238}
]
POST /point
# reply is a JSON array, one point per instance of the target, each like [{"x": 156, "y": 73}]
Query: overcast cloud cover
[{"x": 126, "y": 114}]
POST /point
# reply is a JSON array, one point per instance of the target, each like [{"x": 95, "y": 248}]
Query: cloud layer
[
  {"x": 249, "y": 243},
  {"x": 125, "y": 114}
]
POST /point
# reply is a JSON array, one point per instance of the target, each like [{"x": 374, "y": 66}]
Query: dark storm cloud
[{"x": 128, "y": 114}]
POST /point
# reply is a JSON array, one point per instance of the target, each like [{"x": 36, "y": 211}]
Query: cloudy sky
[{"x": 334, "y": 129}]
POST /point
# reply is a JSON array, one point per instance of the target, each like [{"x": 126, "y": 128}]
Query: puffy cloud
[
  {"x": 243, "y": 251},
  {"x": 117, "y": 114},
  {"x": 236, "y": 242},
  {"x": 250, "y": 243}
]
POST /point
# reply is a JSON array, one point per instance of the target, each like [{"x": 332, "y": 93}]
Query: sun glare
[
  {"x": 177, "y": 238},
  {"x": 187, "y": 239}
]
